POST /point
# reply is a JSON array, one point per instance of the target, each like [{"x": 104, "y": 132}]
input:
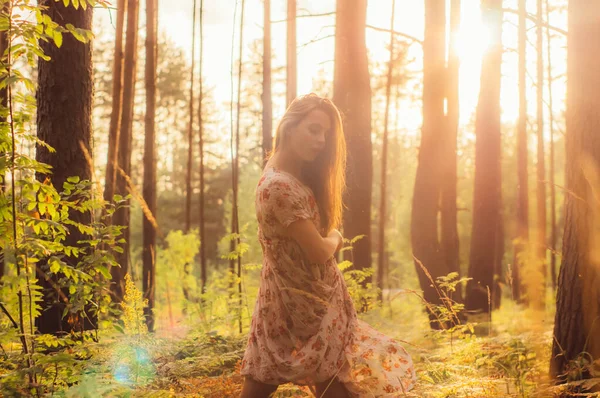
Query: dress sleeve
[{"x": 283, "y": 203}]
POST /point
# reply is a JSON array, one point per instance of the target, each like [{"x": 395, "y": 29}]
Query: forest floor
[{"x": 508, "y": 357}]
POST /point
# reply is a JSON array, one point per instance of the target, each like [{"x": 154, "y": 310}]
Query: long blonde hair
[{"x": 326, "y": 176}]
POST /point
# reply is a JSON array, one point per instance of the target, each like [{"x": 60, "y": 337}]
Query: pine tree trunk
[
  {"x": 539, "y": 301},
  {"x": 352, "y": 95},
  {"x": 487, "y": 199},
  {"x": 190, "y": 136},
  {"x": 449, "y": 216},
  {"x": 291, "y": 71},
  {"x": 64, "y": 121},
  {"x": 121, "y": 216},
  {"x": 203, "y": 276},
  {"x": 117, "y": 97},
  {"x": 553, "y": 234},
  {"x": 384, "y": 145},
  {"x": 576, "y": 327},
  {"x": 522, "y": 154},
  {"x": 426, "y": 246},
  {"x": 4, "y": 43},
  {"x": 267, "y": 103},
  {"x": 149, "y": 189}
]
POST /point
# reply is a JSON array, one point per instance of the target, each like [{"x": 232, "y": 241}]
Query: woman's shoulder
[{"x": 272, "y": 179}]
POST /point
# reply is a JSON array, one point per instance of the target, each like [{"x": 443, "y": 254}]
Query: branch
[
  {"x": 325, "y": 14},
  {"x": 315, "y": 40},
  {"x": 12, "y": 320},
  {"x": 534, "y": 19},
  {"x": 405, "y": 35}
]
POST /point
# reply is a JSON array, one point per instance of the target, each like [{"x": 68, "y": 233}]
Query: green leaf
[
  {"x": 66, "y": 3},
  {"x": 72, "y": 289},
  {"x": 73, "y": 179},
  {"x": 54, "y": 267},
  {"x": 104, "y": 271}
]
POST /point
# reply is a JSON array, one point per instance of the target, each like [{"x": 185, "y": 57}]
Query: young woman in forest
[{"x": 304, "y": 328}]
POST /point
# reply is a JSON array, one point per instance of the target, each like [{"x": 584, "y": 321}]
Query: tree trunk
[
  {"x": 149, "y": 189},
  {"x": 64, "y": 121},
  {"x": 426, "y": 246},
  {"x": 267, "y": 103},
  {"x": 121, "y": 216},
  {"x": 4, "y": 43},
  {"x": 576, "y": 327},
  {"x": 522, "y": 154},
  {"x": 116, "y": 113},
  {"x": 188, "y": 177},
  {"x": 203, "y": 277},
  {"x": 449, "y": 216},
  {"x": 352, "y": 95},
  {"x": 487, "y": 199},
  {"x": 539, "y": 301},
  {"x": 291, "y": 71},
  {"x": 553, "y": 234}
]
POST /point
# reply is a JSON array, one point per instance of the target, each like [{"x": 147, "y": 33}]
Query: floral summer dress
[{"x": 304, "y": 328}]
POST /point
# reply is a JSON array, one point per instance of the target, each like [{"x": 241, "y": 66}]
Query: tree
[
  {"x": 116, "y": 113},
  {"x": 149, "y": 188},
  {"x": 202, "y": 220},
  {"x": 64, "y": 100},
  {"x": 487, "y": 200},
  {"x": 121, "y": 216},
  {"x": 553, "y": 233},
  {"x": 267, "y": 109},
  {"x": 3, "y": 105},
  {"x": 384, "y": 152},
  {"x": 352, "y": 95},
  {"x": 522, "y": 154},
  {"x": 188, "y": 197},
  {"x": 576, "y": 327},
  {"x": 291, "y": 71},
  {"x": 539, "y": 300},
  {"x": 427, "y": 250},
  {"x": 449, "y": 224}
]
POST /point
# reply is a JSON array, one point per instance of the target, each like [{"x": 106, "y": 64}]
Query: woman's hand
[{"x": 334, "y": 233}]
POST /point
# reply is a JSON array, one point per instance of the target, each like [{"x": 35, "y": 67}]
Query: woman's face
[{"x": 307, "y": 140}]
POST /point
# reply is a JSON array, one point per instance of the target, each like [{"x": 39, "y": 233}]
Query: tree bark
[
  {"x": 449, "y": 213},
  {"x": 116, "y": 113},
  {"x": 576, "y": 327},
  {"x": 539, "y": 300},
  {"x": 291, "y": 70},
  {"x": 149, "y": 188},
  {"x": 64, "y": 121},
  {"x": 4, "y": 43},
  {"x": 384, "y": 145},
  {"x": 487, "y": 199},
  {"x": 522, "y": 154},
  {"x": 121, "y": 216},
  {"x": 267, "y": 103},
  {"x": 352, "y": 95},
  {"x": 426, "y": 245}
]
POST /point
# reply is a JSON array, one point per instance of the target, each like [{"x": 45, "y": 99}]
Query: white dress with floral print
[{"x": 304, "y": 328}]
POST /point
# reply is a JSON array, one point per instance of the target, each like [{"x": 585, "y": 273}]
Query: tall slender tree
[
  {"x": 64, "y": 121},
  {"x": 449, "y": 214},
  {"x": 384, "y": 146},
  {"x": 522, "y": 155},
  {"x": 291, "y": 70},
  {"x": 487, "y": 199},
  {"x": 539, "y": 301},
  {"x": 426, "y": 246},
  {"x": 116, "y": 113},
  {"x": 203, "y": 277},
  {"x": 267, "y": 102},
  {"x": 4, "y": 105},
  {"x": 576, "y": 326},
  {"x": 352, "y": 95},
  {"x": 121, "y": 216},
  {"x": 149, "y": 188},
  {"x": 190, "y": 136},
  {"x": 553, "y": 234}
]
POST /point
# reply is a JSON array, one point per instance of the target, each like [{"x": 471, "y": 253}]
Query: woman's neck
[{"x": 287, "y": 163}]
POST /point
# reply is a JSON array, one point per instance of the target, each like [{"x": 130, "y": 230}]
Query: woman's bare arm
[{"x": 318, "y": 249}]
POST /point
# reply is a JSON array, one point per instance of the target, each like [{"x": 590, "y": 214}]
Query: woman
[{"x": 304, "y": 328}]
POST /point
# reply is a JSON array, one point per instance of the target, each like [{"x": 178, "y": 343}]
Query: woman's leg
[
  {"x": 256, "y": 389},
  {"x": 331, "y": 389}
]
